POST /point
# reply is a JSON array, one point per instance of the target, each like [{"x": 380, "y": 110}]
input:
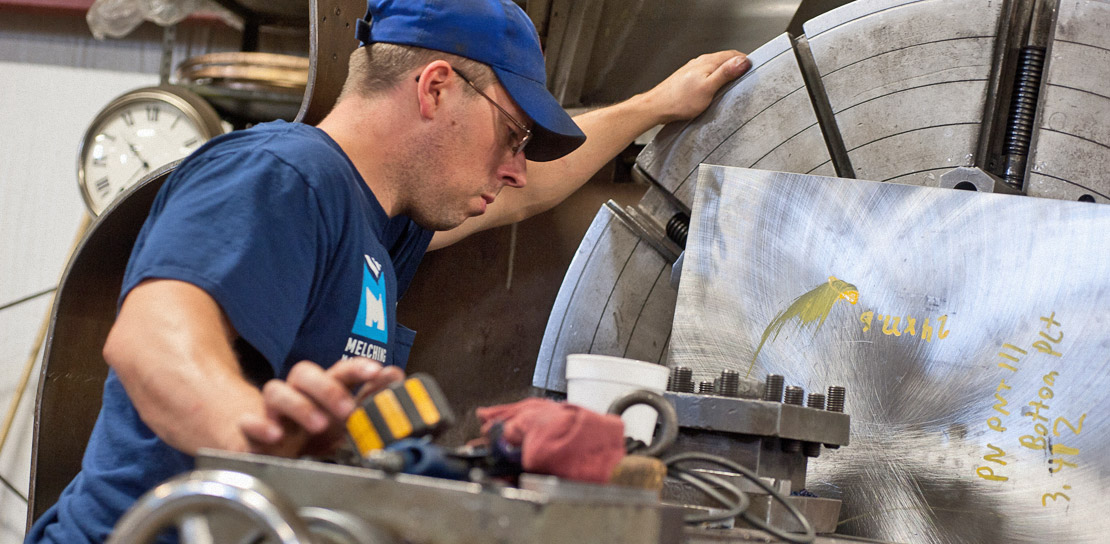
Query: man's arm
[
  {"x": 683, "y": 95},
  {"x": 171, "y": 347}
]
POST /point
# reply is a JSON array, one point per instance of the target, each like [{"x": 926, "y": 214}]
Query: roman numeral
[
  {"x": 174, "y": 123},
  {"x": 100, "y": 161},
  {"x": 102, "y": 186},
  {"x": 191, "y": 142},
  {"x": 152, "y": 111},
  {"x": 128, "y": 118}
]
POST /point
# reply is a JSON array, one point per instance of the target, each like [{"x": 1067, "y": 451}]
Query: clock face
[{"x": 131, "y": 139}]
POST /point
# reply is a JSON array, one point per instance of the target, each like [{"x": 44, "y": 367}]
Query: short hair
[{"x": 381, "y": 66}]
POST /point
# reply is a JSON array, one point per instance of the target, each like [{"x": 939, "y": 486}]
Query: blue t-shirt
[{"x": 277, "y": 225}]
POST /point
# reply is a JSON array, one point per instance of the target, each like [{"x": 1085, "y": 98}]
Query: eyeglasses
[{"x": 519, "y": 141}]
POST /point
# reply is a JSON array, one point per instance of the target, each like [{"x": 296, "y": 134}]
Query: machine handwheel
[{"x": 187, "y": 501}]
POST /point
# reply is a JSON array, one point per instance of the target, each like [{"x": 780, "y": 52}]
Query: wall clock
[{"x": 135, "y": 134}]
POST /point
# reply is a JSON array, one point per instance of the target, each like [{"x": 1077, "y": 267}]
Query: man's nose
[{"x": 514, "y": 172}]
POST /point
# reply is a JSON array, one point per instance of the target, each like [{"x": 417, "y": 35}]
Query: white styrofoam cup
[{"x": 595, "y": 381}]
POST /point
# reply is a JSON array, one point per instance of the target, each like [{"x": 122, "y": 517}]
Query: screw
[
  {"x": 706, "y": 388},
  {"x": 794, "y": 395},
  {"x": 772, "y": 388},
  {"x": 730, "y": 383},
  {"x": 682, "y": 379},
  {"x": 836, "y": 398},
  {"x": 835, "y": 404},
  {"x": 816, "y": 400},
  {"x": 811, "y": 449}
]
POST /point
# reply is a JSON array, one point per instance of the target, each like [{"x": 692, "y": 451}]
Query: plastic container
[{"x": 595, "y": 381}]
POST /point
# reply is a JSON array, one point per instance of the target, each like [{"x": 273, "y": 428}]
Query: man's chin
[{"x": 439, "y": 223}]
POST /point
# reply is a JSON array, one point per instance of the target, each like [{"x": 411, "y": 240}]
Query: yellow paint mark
[
  {"x": 1060, "y": 449},
  {"x": 812, "y": 306},
  {"x": 866, "y": 318},
  {"x": 995, "y": 457},
  {"x": 1013, "y": 347},
  {"x": 888, "y": 329}
]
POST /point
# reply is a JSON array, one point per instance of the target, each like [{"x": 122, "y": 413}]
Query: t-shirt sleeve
[{"x": 248, "y": 231}]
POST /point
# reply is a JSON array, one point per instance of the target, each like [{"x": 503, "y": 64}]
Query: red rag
[{"x": 560, "y": 439}]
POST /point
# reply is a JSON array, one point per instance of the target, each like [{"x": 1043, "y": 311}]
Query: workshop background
[{"x": 55, "y": 77}]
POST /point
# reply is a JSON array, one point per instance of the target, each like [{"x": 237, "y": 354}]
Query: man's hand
[
  {"x": 688, "y": 91},
  {"x": 306, "y": 413}
]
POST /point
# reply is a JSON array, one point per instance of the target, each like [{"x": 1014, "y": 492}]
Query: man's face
[{"x": 473, "y": 160}]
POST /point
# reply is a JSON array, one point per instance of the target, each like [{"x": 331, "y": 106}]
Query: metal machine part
[
  {"x": 975, "y": 401},
  {"x": 913, "y": 90},
  {"x": 184, "y": 502},
  {"x": 429, "y": 510},
  {"x": 250, "y": 498}
]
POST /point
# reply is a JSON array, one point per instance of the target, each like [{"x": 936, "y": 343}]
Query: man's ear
[{"x": 432, "y": 86}]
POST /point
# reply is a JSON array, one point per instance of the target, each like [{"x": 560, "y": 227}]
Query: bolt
[
  {"x": 811, "y": 449},
  {"x": 835, "y": 404},
  {"x": 816, "y": 400},
  {"x": 794, "y": 395},
  {"x": 706, "y": 388},
  {"x": 836, "y": 398},
  {"x": 682, "y": 380},
  {"x": 730, "y": 383},
  {"x": 772, "y": 388}
]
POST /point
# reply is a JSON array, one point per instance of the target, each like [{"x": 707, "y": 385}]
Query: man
[{"x": 275, "y": 250}]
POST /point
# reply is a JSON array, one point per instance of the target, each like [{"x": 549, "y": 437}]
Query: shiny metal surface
[
  {"x": 927, "y": 462},
  {"x": 907, "y": 82},
  {"x": 1071, "y": 146},
  {"x": 184, "y": 502}
]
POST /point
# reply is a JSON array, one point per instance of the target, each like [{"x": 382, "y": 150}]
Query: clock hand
[
  {"x": 137, "y": 155},
  {"x": 134, "y": 177}
]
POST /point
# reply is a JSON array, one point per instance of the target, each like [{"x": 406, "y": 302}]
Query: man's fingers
[
  {"x": 283, "y": 401},
  {"x": 328, "y": 388},
  {"x": 355, "y": 371},
  {"x": 730, "y": 69},
  {"x": 388, "y": 375},
  {"x": 718, "y": 58},
  {"x": 261, "y": 430}
]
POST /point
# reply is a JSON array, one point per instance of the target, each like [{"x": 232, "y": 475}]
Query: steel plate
[{"x": 1017, "y": 304}]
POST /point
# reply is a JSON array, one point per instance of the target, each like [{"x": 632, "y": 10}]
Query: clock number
[
  {"x": 100, "y": 161},
  {"x": 152, "y": 111},
  {"x": 128, "y": 119},
  {"x": 102, "y": 187},
  {"x": 191, "y": 142}
]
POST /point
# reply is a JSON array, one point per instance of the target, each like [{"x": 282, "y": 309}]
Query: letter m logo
[{"x": 372, "y": 321}]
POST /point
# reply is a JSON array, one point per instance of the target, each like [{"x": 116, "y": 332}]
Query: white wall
[{"x": 54, "y": 77}]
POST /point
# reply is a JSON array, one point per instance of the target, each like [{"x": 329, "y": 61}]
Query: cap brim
[{"x": 554, "y": 134}]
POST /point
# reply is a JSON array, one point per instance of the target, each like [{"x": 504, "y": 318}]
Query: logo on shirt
[{"x": 370, "y": 322}]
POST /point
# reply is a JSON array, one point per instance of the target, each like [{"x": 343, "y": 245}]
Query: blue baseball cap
[{"x": 494, "y": 32}]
